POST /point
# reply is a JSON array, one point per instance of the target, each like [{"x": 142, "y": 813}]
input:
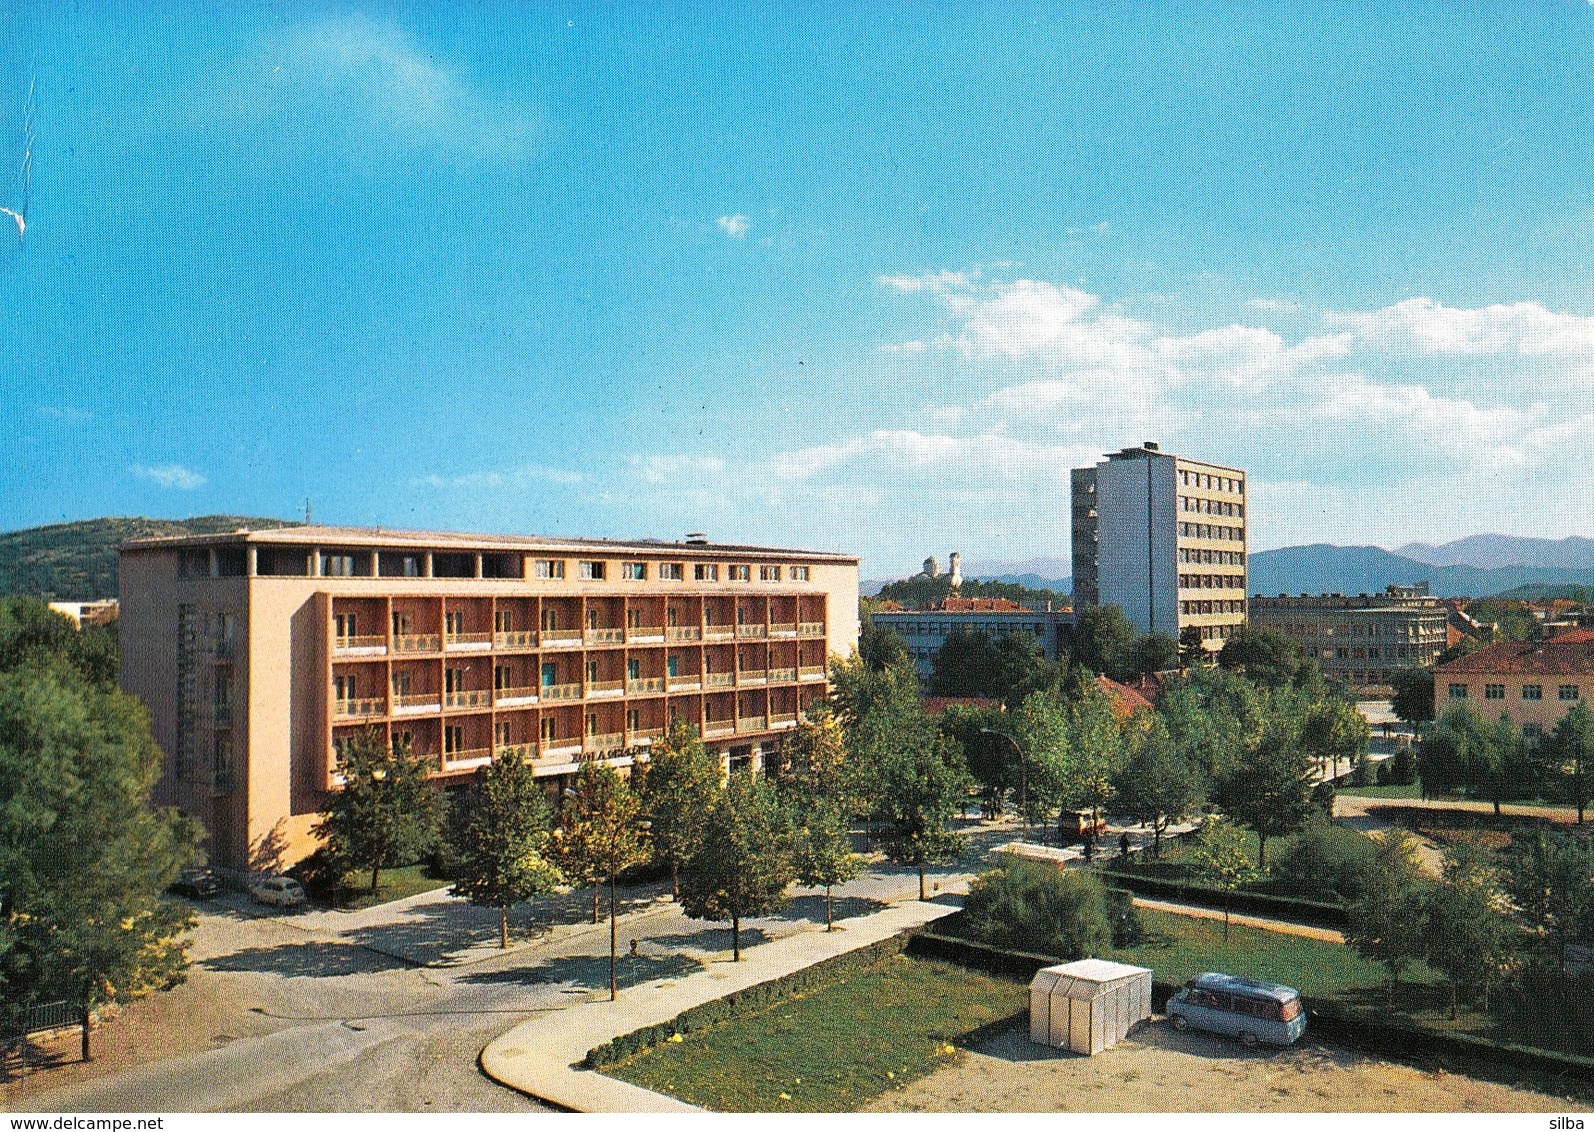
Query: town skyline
[{"x": 638, "y": 275}]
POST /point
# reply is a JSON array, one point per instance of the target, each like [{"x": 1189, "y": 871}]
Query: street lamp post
[{"x": 1023, "y": 776}]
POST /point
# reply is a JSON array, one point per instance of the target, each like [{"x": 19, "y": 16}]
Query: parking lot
[{"x": 1160, "y": 1070}]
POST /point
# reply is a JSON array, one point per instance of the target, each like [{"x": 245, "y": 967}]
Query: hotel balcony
[
  {"x": 559, "y": 748},
  {"x": 359, "y": 708},
  {"x": 645, "y": 635},
  {"x": 514, "y": 697},
  {"x": 552, "y": 692},
  {"x": 644, "y": 735},
  {"x": 683, "y": 633},
  {"x": 752, "y": 723},
  {"x": 516, "y": 640},
  {"x": 418, "y": 704},
  {"x": 343, "y": 646},
  {"x": 783, "y": 676},
  {"x": 648, "y": 685},
  {"x": 811, "y": 629},
  {"x": 468, "y": 642},
  {"x": 783, "y": 630},
  {"x": 472, "y": 699},
  {"x": 691, "y": 682},
  {"x": 605, "y": 636},
  {"x": 719, "y": 632},
  {"x": 779, "y": 721},
  {"x": 600, "y": 689},
  {"x": 811, "y": 672},
  {"x": 719, "y": 680},
  {"x": 752, "y": 678},
  {"x": 523, "y": 751},
  {"x": 746, "y": 632},
  {"x": 598, "y": 743},
  {"x": 718, "y": 728},
  {"x": 417, "y": 642},
  {"x": 468, "y": 759},
  {"x": 560, "y": 638}
]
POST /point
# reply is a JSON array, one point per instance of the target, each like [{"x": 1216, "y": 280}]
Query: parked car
[
  {"x": 197, "y": 881},
  {"x": 278, "y": 891},
  {"x": 1248, "y": 1009}
]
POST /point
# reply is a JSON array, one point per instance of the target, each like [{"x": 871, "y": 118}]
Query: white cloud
[
  {"x": 173, "y": 476},
  {"x": 669, "y": 468},
  {"x": 511, "y": 477},
  {"x": 1525, "y": 329},
  {"x": 734, "y": 226},
  {"x": 362, "y": 81}
]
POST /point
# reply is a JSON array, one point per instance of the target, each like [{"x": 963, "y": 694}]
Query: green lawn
[
  {"x": 392, "y": 884},
  {"x": 1412, "y": 790},
  {"x": 834, "y": 1048},
  {"x": 1178, "y": 947}
]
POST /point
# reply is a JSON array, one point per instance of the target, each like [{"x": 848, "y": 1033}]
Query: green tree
[
  {"x": 1571, "y": 746},
  {"x": 1158, "y": 782},
  {"x": 1386, "y": 924},
  {"x": 1192, "y": 650},
  {"x": 1219, "y": 860},
  {"x": 921, "y": 789},
  {"x": 1096, "y": 752},
  {"x": 386, "y": 813},
  {"x": 679, "y": 783},
  {"x": 1266, "y": 656},
  {"x": 501, "y": 840},
  {"x": 822, "y": 846},
  {"x": 84, "y": 857},
  {"x": 1102, "y": 639},
  {"x": 1039, "y": 732},
  {"x": 743, "y": 864},
  {"x": 992, "y": 760},
  {"x": 1153, "y": 652},
  {"x": 34, "y": 635},
  {"x": 881, "y": 647},
  {"x": 601, "y": 833},
  {"x": 1270, "y": 790},
  {"x": 1333, "y": 730},
  {"x": 965, "y": 665},
  {"x": 1326, "y": 858},
  {"x": 1470, "y": 937},
  {"x": 1027, "y": 906},
  {"x": 1551, "y": 881},
  {"x": 1413, "y": 698}
]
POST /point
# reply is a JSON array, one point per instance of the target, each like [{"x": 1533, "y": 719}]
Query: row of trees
[
  {"x": 1493, "y": 761},
  {"x": 1479, "y": 922},
  {"x": 84, "y": 857}
]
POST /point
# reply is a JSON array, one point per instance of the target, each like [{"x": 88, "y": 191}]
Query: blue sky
[{"x": 857, "y": 278}]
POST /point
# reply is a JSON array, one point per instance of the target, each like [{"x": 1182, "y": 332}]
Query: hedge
[
  {"x": 748, "y": 1001},
  {"x": 1316, "y": 912}
]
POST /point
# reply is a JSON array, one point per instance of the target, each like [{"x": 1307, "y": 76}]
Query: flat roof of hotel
[{"x": 380, "y": 538}]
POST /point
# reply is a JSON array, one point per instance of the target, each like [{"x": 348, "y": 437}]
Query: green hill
[{"x": 77, "y": 561}]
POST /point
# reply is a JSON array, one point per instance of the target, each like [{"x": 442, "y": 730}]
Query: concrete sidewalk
[{"x": 539, "y": 1057}]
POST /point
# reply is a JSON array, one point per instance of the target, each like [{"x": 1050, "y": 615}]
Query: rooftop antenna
[{"x": 307, "y": 510}]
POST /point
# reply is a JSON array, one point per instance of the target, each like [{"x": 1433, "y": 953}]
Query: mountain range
[{"x": 1475, "y": 566}]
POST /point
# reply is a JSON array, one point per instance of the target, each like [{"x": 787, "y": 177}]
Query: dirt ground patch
[{"x": 1159, "y": 1070}]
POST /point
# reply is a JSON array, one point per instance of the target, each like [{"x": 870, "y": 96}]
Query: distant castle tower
[
  {"x": 957, "y": 570},
  {"x": 932, "y": 568}
]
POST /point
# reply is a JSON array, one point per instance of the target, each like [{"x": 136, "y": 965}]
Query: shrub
[
  {"x": 1127, "y": 931},
  {"x": 1034, "y": 907},
  {"x": 1326, "y": 858},
  {"x": 1398, "y": 770},
  {"x": 320, "y": 873}
]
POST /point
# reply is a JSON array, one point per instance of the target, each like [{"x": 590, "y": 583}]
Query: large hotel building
[
  {"x": 259, "y": 653},
  {"x": 1163, "y": 538}
]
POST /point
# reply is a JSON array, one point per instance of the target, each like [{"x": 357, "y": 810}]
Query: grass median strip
[{"x": 831, "y": 1048}]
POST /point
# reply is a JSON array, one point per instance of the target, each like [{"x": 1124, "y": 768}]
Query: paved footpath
[
  {"x": 1283, "y": 927},
  {"x": 539, "y": 1057}
]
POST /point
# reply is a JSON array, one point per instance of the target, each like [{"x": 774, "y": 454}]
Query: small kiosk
[{"x": 1088, "y": 1005}]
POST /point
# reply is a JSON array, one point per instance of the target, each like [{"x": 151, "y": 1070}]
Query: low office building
[
  {"x": 1533, "y": 684},
  {"x": 260, "y": 653},
  {"x": 925, "y": 631},
  {"x": 1360, "y": 639}
]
